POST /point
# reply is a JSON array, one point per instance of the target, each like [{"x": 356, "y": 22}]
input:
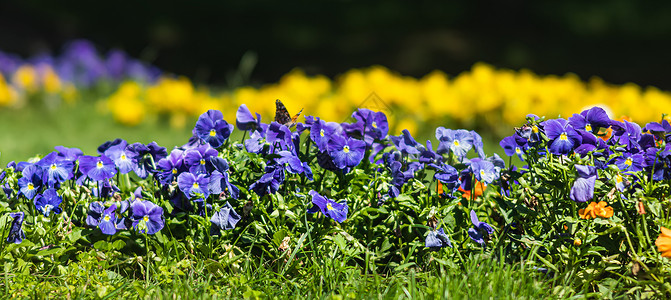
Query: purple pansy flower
[
  {"x": 16, "y": 234},
  {"x": 630, "y": 162},
  {"x": 563, "y": 138},
  {"x": 191, "y": 184},
  {"x": 245, "y": 121},
  {"x": 31, "y": 181},
  {"x": 56, "y": 169},
  {"x": 370, "y": 125},
  {"x": 478, "y": 144},
  {"x": 147, "y": 157},
  {"x": 458, "y": 141},
  {"x": 48, "y": 201},
  {"x": 198, "y": 159},
  {"x": 255, "y": 142},
  {"x": 590, "y": 120},
  {"x": 428, "y": 156},
  {"x": 69, "y": 153},
  {"x": 514, "y": 145},
  {"x": 447, "y": 175},
  {"x": 97, "y": 168},
  {"x": 278, "y": 136},
  {"x": 483, "y": 170},
  {"x": 437, "y": 239},
  {"x": 270, "y": 182},
  {"x": 124, "y": 159},
  {"x": 405, "y": 143},
  {"x": 477, "y": 234},
  {"x": 147, "y": 217},
  {"x": 212, "y": 128},
  {"x": 346, "y": 152},
  {"x": 320, "y": 133},
  {"x": 334, "y": 210},
  {"x": 225, "y": 219},
  {"x": 105, "y": 219},
  {"x": 583, "y": 187},
  {"x": 171, "y": 166},
  {"x": 627, "y": 134}
]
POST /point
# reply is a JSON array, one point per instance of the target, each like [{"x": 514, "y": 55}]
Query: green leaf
[
  {"x": 403, "y": 267},
  {"x": 340, "y": 241},
  {"x": 47, "y": 252},
  {"x": 278, "y": 236},
  {"x": 118, "y": 245},
  {"x": 101, "y": 245},
  {"x": 74, "y": 235}
]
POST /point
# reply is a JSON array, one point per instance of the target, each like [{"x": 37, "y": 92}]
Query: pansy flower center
[
  {"x": 329, "y": 206},
  {"x": 107, "y": 218},
  {"x": 31, "y": 186},
  {"x": 456, "y": 143},
  {"x": 123, "y": 156},
  {"x": 195, "y": 185},
  {"x": 482, "y": 173},
  {"x": 202, "y": 161},
  {"x": 174, "y": 171},
  {"x": 518, "y": 150},
  {"x": 563, "y": 136},
  {"x": 588, "y": 127},
  {"x": 534, "y": 129},
  {"x": 345, "y": 149},
  {"x": 99, "y": 165},
  {"x": 146, "y": 218},
  {"x": 321, "y": 132},
  {"x": 628, "y": 162},
  {"x": 213, "y": 132},
  {"x": 374, "y": 125},
  {"x": 53, "y": 167},
  {"x": 618, "y": 178},
  {"x": 48, "y": 208}
]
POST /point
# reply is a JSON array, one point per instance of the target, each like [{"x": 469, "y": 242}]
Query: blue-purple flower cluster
[
  {"x": 621, "y": 144},
  {"x": 411, "y": 156},
  {"x": 44, "y": 180},
  {"x": 81, "y": 64}
]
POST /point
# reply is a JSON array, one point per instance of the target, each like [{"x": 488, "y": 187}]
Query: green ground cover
[
  {"x": 379, "y": 252},
  {"x": 36, "y": 130}
]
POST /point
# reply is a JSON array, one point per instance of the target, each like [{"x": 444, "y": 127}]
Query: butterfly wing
[{"x": 282, "y": 115}]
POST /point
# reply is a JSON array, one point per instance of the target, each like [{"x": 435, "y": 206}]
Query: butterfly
[{"x": 282, "y": 116}]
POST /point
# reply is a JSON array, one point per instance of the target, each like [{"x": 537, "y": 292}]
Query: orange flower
[
  {"x": 479, "y": 189},
  {"x": 594, "y": 210},
  {"x": 609, "y": 131},
  {"x": 640, "y": 208},
  {"x": 663, "y": 242}
]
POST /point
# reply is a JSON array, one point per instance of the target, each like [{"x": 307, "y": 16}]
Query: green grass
[
  {"x": 29, "y": 132},
  {"x": 36, "y": 131},
  {"x": 480, "y": 279}
]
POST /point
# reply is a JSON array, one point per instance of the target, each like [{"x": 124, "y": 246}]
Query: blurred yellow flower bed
[
  {"x": 483, "y": 97},
  {"x": 35, "y": 81}
]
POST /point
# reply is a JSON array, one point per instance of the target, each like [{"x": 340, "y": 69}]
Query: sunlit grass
[{"x": 29, "y": 132}]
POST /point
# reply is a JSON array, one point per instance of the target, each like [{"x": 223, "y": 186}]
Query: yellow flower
[
  {"x": 663, "y": 242},
  {"x": 26, "y": 78},
  {"x": 7, "y": 94},
  {"x": 125, "y": 104},
  {"x": 50, "y": 80},
  {"x": 594, "y": 210}
]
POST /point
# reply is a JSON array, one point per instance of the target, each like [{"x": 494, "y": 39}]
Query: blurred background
[
  {"x": 219, "y": 54},
  {"x": 619, "y": 41}
]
